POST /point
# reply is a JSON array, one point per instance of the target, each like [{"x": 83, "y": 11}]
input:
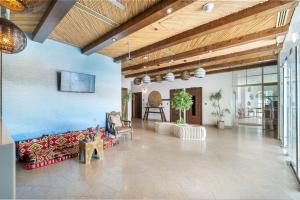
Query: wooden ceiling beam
[
  {"x": 53, "y": 15},
  {"x": 227, "y": 64},
  {"x": 269, "y": 48},
  {"x": 138, "y": 22},
  {"x": 211, "y": 27},
  {"x": 253, "y": 37},
  {"x": 236, "y": 68}
]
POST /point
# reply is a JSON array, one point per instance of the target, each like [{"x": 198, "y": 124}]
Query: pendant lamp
[
  {"x": 200, "y": 73},
  {"x": 146, "y": 79},
  {"x": 170, "y": 77},
  {"x": 24, "y": 6},
  {"x": 158, "y": 78},
  {"x": 12, "y": 38}
]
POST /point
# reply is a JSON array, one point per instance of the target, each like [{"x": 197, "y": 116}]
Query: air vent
[{"x": 282, "y": 18}]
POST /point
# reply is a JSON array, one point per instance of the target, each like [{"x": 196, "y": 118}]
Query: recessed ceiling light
[
  {"x": 145, "y": 57},
  {"x": 208, "y": 7},
  {"x": 114, "y": 39},
  {"x": 169, "y": 10}
]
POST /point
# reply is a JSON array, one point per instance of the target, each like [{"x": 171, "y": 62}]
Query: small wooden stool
[{"x": 87, "y": 150}]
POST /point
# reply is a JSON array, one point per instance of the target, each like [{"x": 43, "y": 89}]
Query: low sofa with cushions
[{"x": 50, "y": 149}]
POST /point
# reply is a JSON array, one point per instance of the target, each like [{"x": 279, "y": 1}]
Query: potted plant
[
  {"x": 218, "y": 112},
  {"x": 125, "y": 99},
  {"x": 181, "y": 102}
]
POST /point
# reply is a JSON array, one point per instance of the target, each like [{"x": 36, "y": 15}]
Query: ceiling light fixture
[
  {"x": 145, "y": 57},
  {"x": 208, "y": 7},
  {"x": 114, "y": 39},
  {"x": 25, "y": 6},
  {"x": 200, "y": 73},
  {"x": 146, "y": 79},
  {"x": 170, "y": 77},
  {"x": 169, "y": 10},
  {"x": 12, "y": 38}
]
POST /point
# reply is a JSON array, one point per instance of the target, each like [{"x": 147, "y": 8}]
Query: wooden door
[
  {"x": 174, "y": 115},
  {"x": 137, "y": 105},
  {"x": 194, "y": 115},
  {"x": 125, "y": 114}
]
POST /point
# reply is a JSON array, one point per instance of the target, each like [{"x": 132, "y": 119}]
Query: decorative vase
[{"x": 221, "y": 125}]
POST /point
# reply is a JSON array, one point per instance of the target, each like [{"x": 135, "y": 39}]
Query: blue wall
[{"x": 32, "y": 105}]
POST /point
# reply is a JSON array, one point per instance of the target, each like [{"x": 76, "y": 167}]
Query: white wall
[
  {"x": 7, "y": 167},
  {"x": 209, "y": 84}
]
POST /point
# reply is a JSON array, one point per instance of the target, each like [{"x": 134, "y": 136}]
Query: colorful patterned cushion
[
  {"x": 40, "y": 155},
  {"x": 60, "y": 141},
  {"x": 67, "y": 151},
  {"x": 27, "y": 146},
  {"x": 77, "y": 136}
]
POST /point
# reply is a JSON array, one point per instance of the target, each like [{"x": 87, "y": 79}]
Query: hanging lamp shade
[
  {"x": 146, "y": 79},
  {"x": 170, "y": 77},
  {"x": 137, "y": 81},
  {"x": 200, "y": 73},
  {"x": 12, "y": 38},
  {"x": 25, "y": 6},
  {"x": 185, "y": 75},
  {"x": 158, "y": 78}
]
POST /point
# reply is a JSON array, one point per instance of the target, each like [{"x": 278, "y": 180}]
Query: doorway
[
  {"x": 174, "y": 114},
  {"x": 137, "y": 105},
  {"x": 194, "y": 115}
]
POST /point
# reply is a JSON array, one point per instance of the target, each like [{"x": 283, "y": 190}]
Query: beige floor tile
[{"x": 230, "y": 164}]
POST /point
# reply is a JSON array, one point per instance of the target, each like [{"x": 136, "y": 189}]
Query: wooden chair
[{"x": 117, "y": 126}]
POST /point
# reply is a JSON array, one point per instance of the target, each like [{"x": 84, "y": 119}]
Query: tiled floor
[{"x": 231, "y": 164}]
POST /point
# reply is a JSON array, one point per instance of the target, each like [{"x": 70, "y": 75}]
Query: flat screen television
[{"x": 76, "y": 82}]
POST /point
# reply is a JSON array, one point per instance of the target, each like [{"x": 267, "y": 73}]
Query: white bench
[{"x": 184, "y": 132}]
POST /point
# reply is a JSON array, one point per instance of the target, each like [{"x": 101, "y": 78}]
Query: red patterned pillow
[
  {"x": 27, "y": 146},
  {"x": 60, "y": 141},
  {"x": 77, "y": 136},
  {"x": 40, "y": 156}
]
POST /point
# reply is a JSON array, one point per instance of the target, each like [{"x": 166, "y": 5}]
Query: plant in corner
[
  {"x": 125, "y": 99},
  {"x": 218, "y": 112},
  {"x": 182, "y": 101}
]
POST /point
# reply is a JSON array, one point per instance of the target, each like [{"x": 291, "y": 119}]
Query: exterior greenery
[
  {"x": 218, "y": 112},
  {"x": 181, "y": 102},
  {"x": 125, "y": 99}
]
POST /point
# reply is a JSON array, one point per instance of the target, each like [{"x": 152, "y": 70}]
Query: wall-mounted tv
[{"x": 76, "y": 82}]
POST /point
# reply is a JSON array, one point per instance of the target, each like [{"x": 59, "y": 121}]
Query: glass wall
[
  {"x": 289, "y": 86},
  {"x": 256, "y": 98}
]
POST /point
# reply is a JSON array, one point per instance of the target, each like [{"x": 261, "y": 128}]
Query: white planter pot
[{"x": 221, "y": 124}]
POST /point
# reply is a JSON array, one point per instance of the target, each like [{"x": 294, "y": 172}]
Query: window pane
[
  {"x": 270, "y": 69},
  {"x": 270, "y": 78}
]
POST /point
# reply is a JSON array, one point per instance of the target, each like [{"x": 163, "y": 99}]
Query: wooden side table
[{"x": 87, "y": 150}]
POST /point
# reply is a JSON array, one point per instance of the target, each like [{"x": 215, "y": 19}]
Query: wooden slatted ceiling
[
  {"x": 187, "y": 18},
  {"x": 79, "y": 28},
  {"x": 239, "y": 48},
  {"x": 208, "y": 65},
  {"x": 229, "y": 64},
  {"x": 216, "y": 59},
  {"x": 236, "y": 31},
  {"x": 211, "y": 27},
  {"x": 28, "y": 22}
]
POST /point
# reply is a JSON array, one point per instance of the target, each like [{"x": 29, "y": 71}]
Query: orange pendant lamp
[{"x": 25, "y": 6}]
